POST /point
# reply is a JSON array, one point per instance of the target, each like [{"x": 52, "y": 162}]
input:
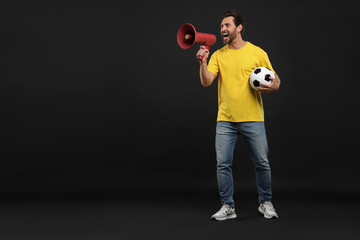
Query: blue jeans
[{"x": 255, "y": 137}]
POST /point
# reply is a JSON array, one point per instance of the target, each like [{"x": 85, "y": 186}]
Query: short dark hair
[{"x": 238, "y": 19}]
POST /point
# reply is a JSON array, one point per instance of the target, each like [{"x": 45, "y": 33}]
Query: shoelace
[
  {"x": 269, "y": 206},
  {"x": 226, "y": 209}
]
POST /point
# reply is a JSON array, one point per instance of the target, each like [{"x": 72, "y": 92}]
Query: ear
[{"x": 239, "y": 28}]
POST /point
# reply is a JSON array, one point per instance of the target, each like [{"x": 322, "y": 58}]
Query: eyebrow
[{"x": 226, "y": 24}]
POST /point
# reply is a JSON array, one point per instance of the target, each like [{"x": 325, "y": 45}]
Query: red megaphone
[{"x": 187, "y": 37}]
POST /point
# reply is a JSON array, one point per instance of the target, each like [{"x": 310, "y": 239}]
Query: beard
[{"x": 230, "y": 38}]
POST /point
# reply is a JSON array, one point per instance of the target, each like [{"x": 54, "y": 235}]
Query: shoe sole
[
  {"x": 232, "y": 216},
  {"x": 267, "y": 216}
]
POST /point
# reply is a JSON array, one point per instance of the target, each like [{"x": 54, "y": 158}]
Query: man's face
[{"x": 228, "y": 30}]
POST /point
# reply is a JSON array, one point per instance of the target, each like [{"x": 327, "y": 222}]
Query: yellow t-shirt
[{"x": 237, "y": 101}]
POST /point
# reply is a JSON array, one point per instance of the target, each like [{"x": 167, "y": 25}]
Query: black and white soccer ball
[{"x": 260, "y": 75}]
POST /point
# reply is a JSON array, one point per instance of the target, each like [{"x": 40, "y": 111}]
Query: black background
[
  {"x": 107, "y": 133},
  {"x": 97, "y": 97}
]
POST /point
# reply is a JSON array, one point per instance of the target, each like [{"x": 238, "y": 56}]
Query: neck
[{"x": 237, "y": 43}]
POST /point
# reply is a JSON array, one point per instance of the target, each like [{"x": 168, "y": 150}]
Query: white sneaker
[
  {"x": 268, "y": 210},
  {"x": 225, "y": 212}
]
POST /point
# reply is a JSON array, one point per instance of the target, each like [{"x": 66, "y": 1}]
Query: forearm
[
  {"x": 277, "y": 81},
  {"x": 274, "y": 85},
  {"x": 205, "y": 75}
]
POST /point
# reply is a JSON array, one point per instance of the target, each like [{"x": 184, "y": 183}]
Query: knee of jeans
[
  {"x": 223, "y": 166},
  {"x": 263, "y": 165}
]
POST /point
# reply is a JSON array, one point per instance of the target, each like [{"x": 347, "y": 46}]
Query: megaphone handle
[{"x": 202, "y": 57}]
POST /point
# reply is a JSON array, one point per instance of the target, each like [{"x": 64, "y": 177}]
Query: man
[{"x": 240, "y": 111}]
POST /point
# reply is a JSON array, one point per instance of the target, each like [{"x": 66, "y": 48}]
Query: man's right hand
[{"x": 203, "y": 52}]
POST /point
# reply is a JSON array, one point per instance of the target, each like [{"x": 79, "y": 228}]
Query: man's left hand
[{"x": 270, "y": 87}]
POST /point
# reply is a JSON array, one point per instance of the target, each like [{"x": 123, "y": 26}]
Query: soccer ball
[{"x": 260, "y": 75}]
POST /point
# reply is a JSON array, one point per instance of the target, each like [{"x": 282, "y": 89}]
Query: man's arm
[
  {"x": 206, "y": 77},
  {"x": 270, "y": 87}
]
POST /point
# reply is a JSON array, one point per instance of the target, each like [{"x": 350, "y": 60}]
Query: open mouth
[{"x": 225, "y": 35}]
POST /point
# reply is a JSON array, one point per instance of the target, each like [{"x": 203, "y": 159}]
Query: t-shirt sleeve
[
  {"x": 265, "y": 61},
  {"x": 213, "y": 65}
]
